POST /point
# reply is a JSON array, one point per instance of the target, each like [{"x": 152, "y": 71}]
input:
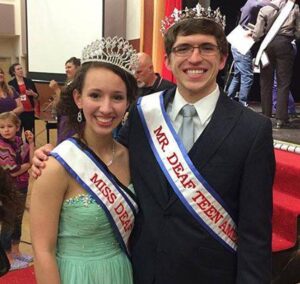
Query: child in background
[{"x": 15, "y": 158}]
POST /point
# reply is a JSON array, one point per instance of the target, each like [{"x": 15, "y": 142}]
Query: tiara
[
  {"x": 197, "y": 12},
  {"x": 116, "y": 51}
]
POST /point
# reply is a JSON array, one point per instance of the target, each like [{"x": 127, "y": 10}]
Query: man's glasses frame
[{"x": 205, "y": 49}]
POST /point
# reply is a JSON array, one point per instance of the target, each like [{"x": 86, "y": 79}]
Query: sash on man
[{"x": 199, "y": 198}]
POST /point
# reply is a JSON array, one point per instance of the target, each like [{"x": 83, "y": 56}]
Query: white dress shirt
[{"x": 204, "y": 107}]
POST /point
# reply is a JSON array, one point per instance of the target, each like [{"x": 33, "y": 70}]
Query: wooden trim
[
  {"x": 147, "y": 26},
  {"x": 142, "y": 25},
  {"x": 158, "y": 45},
  {"x": 135, "y": 43}
]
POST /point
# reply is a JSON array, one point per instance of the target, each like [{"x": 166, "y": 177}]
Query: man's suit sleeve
[
  {"x": 123, "y": 135},
  {"x": 255, "y": 210}
]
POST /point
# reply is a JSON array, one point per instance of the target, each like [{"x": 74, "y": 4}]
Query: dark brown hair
[
  {"x": 74, "y": 60},
  {"x": 67, "y": 106},
  {"x": 196, "y": 26},
  {"x": 11, "y": 69}
]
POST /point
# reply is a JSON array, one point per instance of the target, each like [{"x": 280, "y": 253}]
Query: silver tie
[{"x": 186, "y": 131}]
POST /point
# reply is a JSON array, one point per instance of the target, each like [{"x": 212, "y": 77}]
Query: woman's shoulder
[{"x": 54, "y": 168}]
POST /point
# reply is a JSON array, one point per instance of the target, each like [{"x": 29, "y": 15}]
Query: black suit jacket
[{"x": 235, "y": 155}]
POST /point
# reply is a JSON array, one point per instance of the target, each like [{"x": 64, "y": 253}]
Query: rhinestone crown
[
  {"x": 116, "y": 51},
  {"x": 197, "y": 12}
]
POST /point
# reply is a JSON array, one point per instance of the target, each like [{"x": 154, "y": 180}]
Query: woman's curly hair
[{"x": 66, "y": 105}]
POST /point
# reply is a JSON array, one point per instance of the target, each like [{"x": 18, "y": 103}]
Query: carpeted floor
[
  {"x": 286, "y": 200},
  {"x": 21, "y": 276},
  {"x": 286, "y": 224}
]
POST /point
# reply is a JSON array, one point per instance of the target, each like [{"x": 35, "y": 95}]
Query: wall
[
  {"x": 124, "y": 21},
  {"x": 133, "y": 19},
  {"x": 133, "y": 22},
  {"x": 12, "y": 44},
  {"x": 114, "y": 19}
]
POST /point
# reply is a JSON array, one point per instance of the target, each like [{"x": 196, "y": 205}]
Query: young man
[
  {"x": 181, "y": 234},
  {"x": 205, "y": 194}
]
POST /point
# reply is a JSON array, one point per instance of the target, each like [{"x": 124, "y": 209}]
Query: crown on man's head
[
  {"x": 197, "y": 12},
  {"x": 116, "y": 51}
]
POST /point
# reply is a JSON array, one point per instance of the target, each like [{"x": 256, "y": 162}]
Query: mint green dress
[{"x": 87, "y": 250}]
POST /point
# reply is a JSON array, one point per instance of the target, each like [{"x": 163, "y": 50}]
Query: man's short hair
[{"x": 196, "y": 26}]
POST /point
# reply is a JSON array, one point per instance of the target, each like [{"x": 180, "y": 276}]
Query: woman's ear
[{"x": 77, "y": 98}]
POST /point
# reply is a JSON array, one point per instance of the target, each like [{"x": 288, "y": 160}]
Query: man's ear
[
  {"x": 168, "y": 62},
  {"x": 223, "y": 60},
  {"x": 77, "y": 98}
]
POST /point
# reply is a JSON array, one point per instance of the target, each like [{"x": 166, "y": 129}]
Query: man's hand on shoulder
[{"x": 39, "y": 158}]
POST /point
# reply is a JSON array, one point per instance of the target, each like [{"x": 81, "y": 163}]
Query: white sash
[
  {"x": 91, "y": 174},
  {"x": 194, "y": 192},
  {"x": 273, "y": 30}
]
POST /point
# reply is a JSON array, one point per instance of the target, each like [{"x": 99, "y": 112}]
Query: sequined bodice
[{"x": 84, "y": 230}]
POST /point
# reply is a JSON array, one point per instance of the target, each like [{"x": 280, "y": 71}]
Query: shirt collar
[{"x": 204, "y": 107}]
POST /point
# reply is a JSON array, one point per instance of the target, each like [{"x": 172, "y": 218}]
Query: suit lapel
[{"x": 223, "y": 120}]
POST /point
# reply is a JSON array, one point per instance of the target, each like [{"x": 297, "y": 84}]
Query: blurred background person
[
  {"x": 71, "y": 67},
  {"x": 291, "y": 102},
  {"x": 15, "y": 158},
  {"x": 148, "y": 81},
  {"x": 9, "y": 98},
  {"x": 28, "y": 94},
  {"x": 243, "y": 70},
  {"x": 281, "y": 57}
]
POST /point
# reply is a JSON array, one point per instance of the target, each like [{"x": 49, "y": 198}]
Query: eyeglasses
[{"x": 205, "y": 49}]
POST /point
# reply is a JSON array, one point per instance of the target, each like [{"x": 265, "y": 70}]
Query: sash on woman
[
  {"x": 88, "y": 170},
  {"x": 192, "y": 189}
]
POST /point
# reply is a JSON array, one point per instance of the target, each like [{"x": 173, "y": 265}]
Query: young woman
[
  {"x": 81, "y": 216},
  {"x": 28, "y": 94},
  {"x": 9, "y": 98},
  {"x": 15, "y": 158}
]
